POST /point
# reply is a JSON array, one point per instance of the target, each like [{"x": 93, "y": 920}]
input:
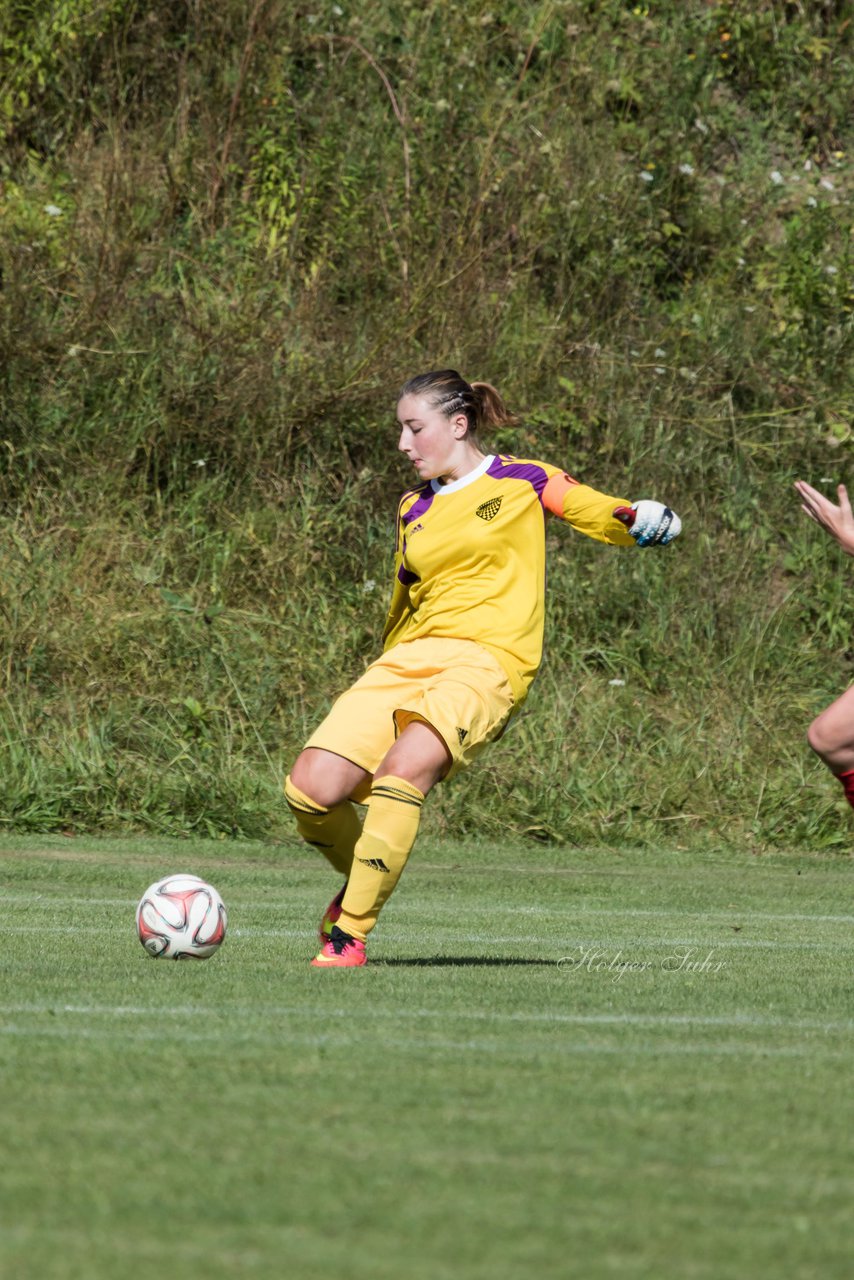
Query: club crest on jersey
[{"x": 489, "y": 510}]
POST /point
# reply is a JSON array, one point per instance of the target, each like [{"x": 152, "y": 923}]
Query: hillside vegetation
[{"x": 229, "y": 232}]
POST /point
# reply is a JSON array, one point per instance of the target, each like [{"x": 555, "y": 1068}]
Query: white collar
[{"x": 464, "y": 480}]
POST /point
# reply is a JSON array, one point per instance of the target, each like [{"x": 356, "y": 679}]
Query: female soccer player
[
  {"x": 831, "y": 734},
  {"x": 461, "y": 644}
]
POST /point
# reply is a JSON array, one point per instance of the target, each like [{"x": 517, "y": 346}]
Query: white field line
[
  {"x": 236, "y": 1012},
  {"x": 574, "y": 938},
  {"x": 452, "y": 937},
  {"x": 483, "y": 1048},
  {"x": 563, "y": 1048},
  {"x": 572, "y": 909}
]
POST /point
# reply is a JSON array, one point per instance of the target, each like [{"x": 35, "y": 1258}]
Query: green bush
[{"x": 226, "y": 243}]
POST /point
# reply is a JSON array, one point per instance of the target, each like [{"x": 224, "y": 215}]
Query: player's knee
[
  {"x": 418, "y": 771},
  {"x": 419, "y": 756},
  {"x": 819, "y": 736},
  {"x": 307, "y": 777},
  {"x": 324, "y": 778}
]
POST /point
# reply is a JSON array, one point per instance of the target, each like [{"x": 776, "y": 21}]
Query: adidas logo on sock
[{"x": 376, "y": 864}]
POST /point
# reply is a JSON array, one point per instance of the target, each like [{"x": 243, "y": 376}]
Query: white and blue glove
[{"x": 650, "y": 523}]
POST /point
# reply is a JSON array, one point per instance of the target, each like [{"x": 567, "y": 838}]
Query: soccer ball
[{"x": 181, "y": 918}]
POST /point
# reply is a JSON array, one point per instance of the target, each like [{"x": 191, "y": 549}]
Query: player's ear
[{"x": 461, "y": 425}]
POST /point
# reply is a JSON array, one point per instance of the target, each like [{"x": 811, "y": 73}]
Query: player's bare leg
[
  {"x": 419, "y": 756},
  {"x": 831, "y": 736},
  {"x": 328, "y": 778}
]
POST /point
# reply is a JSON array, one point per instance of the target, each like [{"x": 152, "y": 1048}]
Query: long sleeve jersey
[{"x": 471, "y": 557}]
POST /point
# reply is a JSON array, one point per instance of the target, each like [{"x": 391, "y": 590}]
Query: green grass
[{"x": 494, "y": 1096}]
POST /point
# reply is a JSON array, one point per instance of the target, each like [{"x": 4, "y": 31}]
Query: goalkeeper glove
[{"x": 649, "y": 523}]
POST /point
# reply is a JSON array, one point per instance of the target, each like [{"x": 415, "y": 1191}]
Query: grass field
[{"x": 559, "y": 1063}]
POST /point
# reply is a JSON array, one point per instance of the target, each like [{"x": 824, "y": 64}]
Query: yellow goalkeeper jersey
[{"x": 470, "y": 558}]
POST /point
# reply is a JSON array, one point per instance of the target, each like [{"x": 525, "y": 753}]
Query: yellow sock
[
  {"x": 388, "y": 834},
  {"x": 333, "y": 831}
]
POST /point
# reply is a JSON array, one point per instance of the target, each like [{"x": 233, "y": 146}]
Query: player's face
[{"x": 433, "y": 443}]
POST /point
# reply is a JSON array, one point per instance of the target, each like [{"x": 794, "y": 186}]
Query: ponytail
[
  {"x": 448, "y": 391},
  {"x": 492, "y": 412}
]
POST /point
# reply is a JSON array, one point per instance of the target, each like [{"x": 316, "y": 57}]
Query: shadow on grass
[{"x": 454, "y": 961}]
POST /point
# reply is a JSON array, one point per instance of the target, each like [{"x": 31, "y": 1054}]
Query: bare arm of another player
[{"x": 837, "y": 520}]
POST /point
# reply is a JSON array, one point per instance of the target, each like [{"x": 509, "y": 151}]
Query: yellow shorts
[{"x": 456, "y": 686}]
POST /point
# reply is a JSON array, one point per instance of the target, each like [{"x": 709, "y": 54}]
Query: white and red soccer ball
[{"x": 181, "y": 917}]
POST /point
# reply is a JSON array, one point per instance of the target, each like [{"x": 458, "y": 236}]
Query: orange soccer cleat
[{"x": 340, "y": 952}]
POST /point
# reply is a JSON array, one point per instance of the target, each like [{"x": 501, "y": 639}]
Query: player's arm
[
  {"x": 400, "y": 607},
  {"x": 608, "y": 519}
]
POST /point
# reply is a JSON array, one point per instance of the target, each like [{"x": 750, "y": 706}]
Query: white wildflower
[
  {"x": 646, "y": 177},
  {"x": 617, "y": 684},
  {"x": 659, "y": 352},
  {"x": 368, "y": 586},
  {"x": 687, "y": 169},
  {"x": 53, "y": 211},
  {"x": 812, "y": 202},
  {"x": 827, "y": 184},
  {"x": 200, "y": 462},
  {"x": 777, "y": 177}
]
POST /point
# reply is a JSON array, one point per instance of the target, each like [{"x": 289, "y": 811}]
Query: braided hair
[{"x": 448, "y": 391}]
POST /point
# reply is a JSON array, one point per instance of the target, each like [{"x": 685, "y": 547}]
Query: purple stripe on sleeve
[
  {"x": 537, "y": 477},
  {"x": 420, "y": 505}
]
